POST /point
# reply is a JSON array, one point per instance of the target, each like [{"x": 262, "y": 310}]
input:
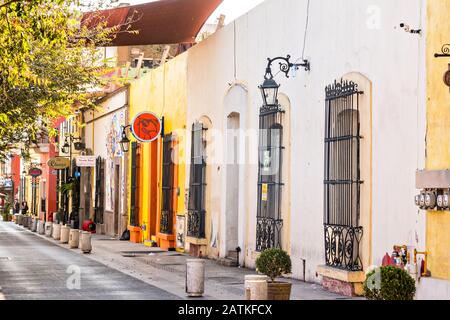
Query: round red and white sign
[{"x": 146, "y": 127}]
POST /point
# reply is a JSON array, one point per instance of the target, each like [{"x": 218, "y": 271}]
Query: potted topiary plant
[
  {"x": 274, "y": 263},
  {"x": 389, "y": 283}
]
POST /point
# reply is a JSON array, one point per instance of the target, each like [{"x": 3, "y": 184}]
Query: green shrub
[
  {"x": 274, "y": 263},
  {"x": 389, "y": 283}
]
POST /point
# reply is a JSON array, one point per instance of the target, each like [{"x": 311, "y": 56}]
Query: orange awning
[{"x": 160, "y": 22}]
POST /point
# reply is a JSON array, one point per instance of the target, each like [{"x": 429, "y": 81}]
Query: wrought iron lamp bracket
[
  {"x": 445, "y": 51},
  {"x": 126, "y": 127},
  {"x": 285, "y": 66}
]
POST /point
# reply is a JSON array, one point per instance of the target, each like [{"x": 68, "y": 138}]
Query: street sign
[
  {"x": 35, "y": 172},
  {"x": 146, "y": 127},
  {"x": 85, "y": 161},
  {"x": 58, "y": 163}
]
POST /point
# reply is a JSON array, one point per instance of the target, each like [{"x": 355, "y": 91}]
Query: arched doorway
[
  {"x": 232, "y": 182},
  {"x": 233, "y": 218}
]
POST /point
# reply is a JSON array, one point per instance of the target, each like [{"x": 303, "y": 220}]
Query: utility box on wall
[{"x": 435, "y": 189}]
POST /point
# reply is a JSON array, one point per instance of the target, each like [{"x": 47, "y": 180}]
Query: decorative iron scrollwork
[
  {"x": 341, "y": 88},
  {"x": 195, "y": 224},
  {"x": 342, "y": 247},
  {"x": 285, "y": 66},
  {"x": 268, "y": 231},
  {"x": 445, "y": 51},
  {"x": 165, "y": 225}
]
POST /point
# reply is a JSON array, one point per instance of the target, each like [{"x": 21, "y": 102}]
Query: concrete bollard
[
  {"x": 256, "y": 282},
  {"x": 56, "y": 233},
  {"x": 85, "y": 242},
  {"x": 195, "y": 277},
  {"x": 74, "y": 238},
  {"x": 34, "y": 223},
  {"x": 40, "y": 227},
  {"x": 20, "y": 219},
  {"x": 48, "y": 228},
  {"x": 258, "y": 289},
  {"x": 26, "y": 222},
  {"x": 65, "y": 231},
  {"x": 29, "y": 222}
]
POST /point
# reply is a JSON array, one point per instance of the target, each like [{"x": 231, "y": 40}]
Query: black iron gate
[
  {"x": 168, "y": 170},
  {"x": 134, "y": 196},
  {"x": 99, "y": 190},
  {"x": 75, "y": 214},
  {"x": 342, "y": 176},
  {"x": 268, "y": 221},
  {"x": 197, "y": 184},
  {"x": 64, "y": 214}
]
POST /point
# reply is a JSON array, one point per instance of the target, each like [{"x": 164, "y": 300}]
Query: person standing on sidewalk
[
  {"x": 24, "y": 207},
  {"x": 16, "y": 208}
]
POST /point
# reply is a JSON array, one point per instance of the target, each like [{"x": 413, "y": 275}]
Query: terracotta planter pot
[
  {"x": 135, "y": 234},
  {"x": 279, "y": 290}
]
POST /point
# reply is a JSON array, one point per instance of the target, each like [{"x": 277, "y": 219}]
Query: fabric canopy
[{"x": 159, "y": 22}]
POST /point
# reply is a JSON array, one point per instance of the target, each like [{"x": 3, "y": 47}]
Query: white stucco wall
[
  {"x": 102, "y": 134},
  {"x": 343, "y": 36}
]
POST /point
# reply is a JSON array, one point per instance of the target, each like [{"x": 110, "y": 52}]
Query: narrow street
[{"x": 34, "y": 268}]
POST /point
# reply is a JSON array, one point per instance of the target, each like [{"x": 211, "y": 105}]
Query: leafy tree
[{"x": 49, "y": 64}]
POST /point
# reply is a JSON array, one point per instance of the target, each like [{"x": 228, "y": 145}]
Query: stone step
[
  {"x": 228, "y": 262},
  {"x": 232, "y": 254}
]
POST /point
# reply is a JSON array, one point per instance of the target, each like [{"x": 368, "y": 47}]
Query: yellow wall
[
  {"x": 162, "y": 91},
  {"x": 438, "y": 132}
]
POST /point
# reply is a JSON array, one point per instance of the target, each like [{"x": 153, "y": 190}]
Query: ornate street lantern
[
  {"x": 125, "y": 142},
  {"x": 66, "y": 146},
  {"x": 269, "y": 92}
]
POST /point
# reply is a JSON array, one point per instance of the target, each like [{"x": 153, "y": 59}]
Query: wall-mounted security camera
[{"x": 407, "y": 28}]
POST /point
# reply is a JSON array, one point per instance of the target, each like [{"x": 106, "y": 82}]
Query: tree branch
[{"x": 11, "y": 2}]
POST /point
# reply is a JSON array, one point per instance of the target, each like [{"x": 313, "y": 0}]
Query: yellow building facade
[
  {"x": 162, "y": 91},
  {"x": 438, "y": 132}
]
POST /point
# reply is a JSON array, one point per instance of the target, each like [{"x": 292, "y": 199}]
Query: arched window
[
  {"x": 270, "y": 184},
  {"x": 197, "y": 183},
  {"x": 343, "y": 232}
]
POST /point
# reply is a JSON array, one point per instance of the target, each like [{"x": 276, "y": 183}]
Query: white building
[{"x": 353, "y": 40}]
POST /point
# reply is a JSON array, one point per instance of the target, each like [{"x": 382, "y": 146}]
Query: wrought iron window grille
[
  {"x": 99, "y": 190},
  {"x": 268, "y": 220},
  {"x": 342, "y": 232},
  {"x": 168, "y": 187},
  {"x": 197, "y": 184},
  {"x": 134, "y": 194}
]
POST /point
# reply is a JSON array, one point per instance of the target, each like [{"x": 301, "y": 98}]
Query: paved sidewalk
[{"x": 166, "y": 270}]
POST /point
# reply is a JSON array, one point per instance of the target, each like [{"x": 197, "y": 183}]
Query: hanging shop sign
[
  {"x": 146, "y": 127},
  {"x": 85, "y": 161},
  {"x": 35, "y": 172},
  {"x": 59, "y": 163}
]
